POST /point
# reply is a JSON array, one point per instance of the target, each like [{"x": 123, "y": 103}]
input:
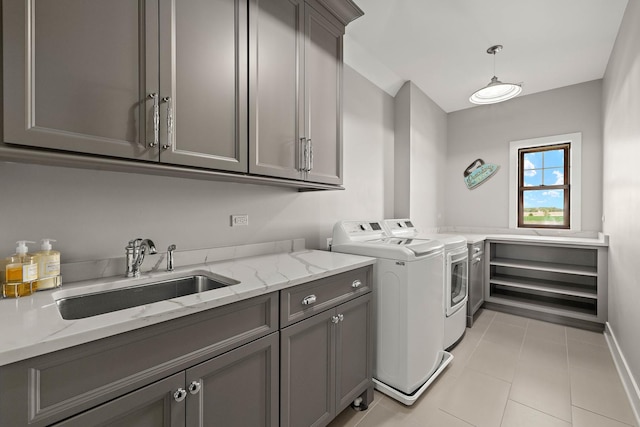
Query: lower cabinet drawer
[{"x": 299, "y": 302}]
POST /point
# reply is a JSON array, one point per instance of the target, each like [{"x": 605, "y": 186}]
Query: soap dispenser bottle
[
  {"x": 48, "y": 267},
  {"x": 21, "y": 270}
]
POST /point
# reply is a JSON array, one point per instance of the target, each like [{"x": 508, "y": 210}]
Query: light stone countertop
[
  {"x": 32, "y": 326},
  {"x": 552, "y": 240},
  {"x": 476, "y": 235}
]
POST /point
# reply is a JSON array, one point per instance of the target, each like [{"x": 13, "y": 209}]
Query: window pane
[
  {"x": 532, "y": 177},
  {"x": 554, "y": 158},
  {"x": 532, "y": 161},
  {"x": 543, "y": 207},
  {"x": 554, "y": 176}
]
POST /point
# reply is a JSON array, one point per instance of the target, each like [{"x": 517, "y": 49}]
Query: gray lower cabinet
[
  {"x": 132, "y": 373},
  {"x": 295, "y": 84},
  {"x": 326, "y": 364},
  {"x": 236, "y": 389},
  {"x": 294, "y": 358},
  {"x": 151, "y": 406},
  {"x": 158, "y": 80}
]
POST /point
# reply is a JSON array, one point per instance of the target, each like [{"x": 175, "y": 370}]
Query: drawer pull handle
[
  {"x": 311, "y": 299},
  {"x": 356, "y": 284},
  {"x": 180, "y": 394},
  {"x": 194, "y": 387}
]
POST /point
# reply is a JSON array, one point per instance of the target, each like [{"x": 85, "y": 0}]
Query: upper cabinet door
[
  {"x": 276, "y": 82},
  {"x": 323, "y": 78},
  {"x": 203, "y": 79},
  {"x": 78, "y": 75}
]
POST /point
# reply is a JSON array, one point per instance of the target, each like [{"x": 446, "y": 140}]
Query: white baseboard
[{"x": 628, "y": 381}]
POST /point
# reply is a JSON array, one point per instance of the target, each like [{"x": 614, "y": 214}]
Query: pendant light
[{"x": 495, "y": 91}]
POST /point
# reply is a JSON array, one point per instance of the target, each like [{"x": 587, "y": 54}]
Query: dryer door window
[{"x": 457, "y": 279}]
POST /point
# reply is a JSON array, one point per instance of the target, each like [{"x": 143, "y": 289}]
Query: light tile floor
[{"x": 511, "y": 371}]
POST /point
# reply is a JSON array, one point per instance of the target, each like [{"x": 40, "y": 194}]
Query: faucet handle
[
  {"x": 134, "y": 243},
  {"x": 170, "y": 250}
]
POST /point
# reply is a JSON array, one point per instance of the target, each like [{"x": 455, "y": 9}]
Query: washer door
[{"x": 457, "y": 280}]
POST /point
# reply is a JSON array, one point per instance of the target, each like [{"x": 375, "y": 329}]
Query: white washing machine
[
  {"x": 407, "y": 303},
  {"x": 456, "y": 256}
]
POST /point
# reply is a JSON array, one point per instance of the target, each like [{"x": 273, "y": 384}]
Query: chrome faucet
[
  {"x": 170, "y": 260},
  {"x": 135, "y": 251}
]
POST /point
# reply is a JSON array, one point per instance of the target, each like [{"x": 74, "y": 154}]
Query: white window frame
[{"x": 575, "y": 176}]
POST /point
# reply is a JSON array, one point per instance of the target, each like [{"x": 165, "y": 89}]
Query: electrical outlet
[{"x": 237, "y": 220}]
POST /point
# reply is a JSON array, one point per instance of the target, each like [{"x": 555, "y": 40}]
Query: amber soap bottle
[{"x": 20, "y": 271}]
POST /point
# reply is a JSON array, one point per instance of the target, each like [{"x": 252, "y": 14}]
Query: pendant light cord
[{"x": 494, "y": 63}]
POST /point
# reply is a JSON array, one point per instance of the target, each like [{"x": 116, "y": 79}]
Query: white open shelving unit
[{"x": 565, "y": 283}]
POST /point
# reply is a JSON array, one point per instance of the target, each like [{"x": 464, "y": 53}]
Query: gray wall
[
  {"x": 93, "y": 214},
  {"x": 420, "y": 157},
  {"x": 485, "y": 132},
  {"x": 621, "y": 184}
]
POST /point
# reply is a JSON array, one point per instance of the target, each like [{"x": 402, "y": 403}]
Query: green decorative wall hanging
[{"x": 478, "y": 172}]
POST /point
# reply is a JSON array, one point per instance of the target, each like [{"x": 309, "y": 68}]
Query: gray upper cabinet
[
  {"x": 323, "y": 94},
  {"x": 203, "y": 83},
  {"x": 78, "y": 77},
  {"x": 159, "y": 80},
  {"x": 295, "y": 81}
]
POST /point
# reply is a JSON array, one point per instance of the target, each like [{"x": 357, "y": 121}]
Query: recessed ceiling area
[{"x": 441, "y": 45}]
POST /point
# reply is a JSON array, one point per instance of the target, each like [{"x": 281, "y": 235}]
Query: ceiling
[{"x": 441, "y": 45}]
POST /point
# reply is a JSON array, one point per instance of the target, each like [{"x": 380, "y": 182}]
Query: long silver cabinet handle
[
  {"x": 356, "y": 284},
  {"x": 302, "y": 160},
  {"x": 170, "y": 122},
  {"x": 180, "y": 394},
  {"x": 194, "y": 387},
  {"x": 156, "y": 120},
  {"x": 310, "y": 163},
  {"x": 308, "y": 300}
]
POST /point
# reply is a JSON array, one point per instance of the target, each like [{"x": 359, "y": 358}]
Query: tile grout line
[
  {"x": 524, "y": 337},
  {"x": 566, "y": 344}
]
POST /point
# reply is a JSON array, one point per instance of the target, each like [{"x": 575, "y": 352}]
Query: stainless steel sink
[{"x": 92, "y": 304}]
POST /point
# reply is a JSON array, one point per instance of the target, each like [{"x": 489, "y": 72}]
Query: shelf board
[
  {"x": 546, "y": 266},
  {"x": 549, "y": 306},
  {"x": 560, "y": 288}
]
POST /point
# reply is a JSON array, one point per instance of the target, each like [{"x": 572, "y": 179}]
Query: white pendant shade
[{"x": 495, "y": 91}]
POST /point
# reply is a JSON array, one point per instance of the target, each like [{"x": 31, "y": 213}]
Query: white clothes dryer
[
  {"x": 407, "y": 295},
  {"x": 456, "y": 256}
]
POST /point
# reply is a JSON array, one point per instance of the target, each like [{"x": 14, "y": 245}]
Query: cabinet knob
[
  {"x": 310, "y": 299},
  {"x": 356, "y": 284},
  {"x": 194, "y": 387},
  {"x": 180, "y": 394},
  {"x": 341, "y": 317},
  {"x": 335, "y": 319}
]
